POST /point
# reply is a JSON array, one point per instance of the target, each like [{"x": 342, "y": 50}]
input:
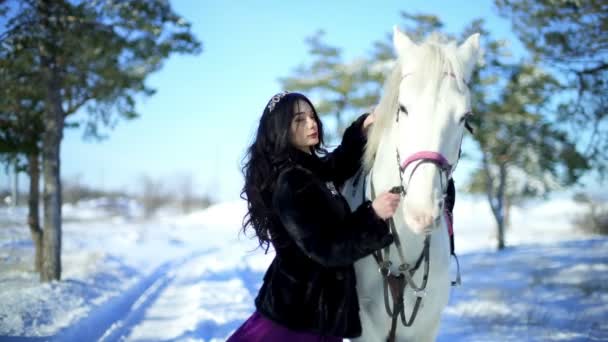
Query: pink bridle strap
[
  {"x": 439, "y": 160},
  {"x": 436, "y": 158}
]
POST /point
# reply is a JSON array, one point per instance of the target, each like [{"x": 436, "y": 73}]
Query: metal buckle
[
  {"x": 385, "y": 268},
  {"x": 397, "y": 190},
  {"x": 421, "y": 293}
]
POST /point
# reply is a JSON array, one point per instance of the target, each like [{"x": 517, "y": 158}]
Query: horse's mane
[{"x": 436, "y": 57}]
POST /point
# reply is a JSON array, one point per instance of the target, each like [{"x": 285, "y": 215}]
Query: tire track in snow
[
  {"x": 208, "y": 297},
  {"x": 115, "y": 317}
]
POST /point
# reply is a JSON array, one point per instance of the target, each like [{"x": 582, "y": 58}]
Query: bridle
[
  {"x": 445, "y": 168},
  {"x": 396, "y": 281}
]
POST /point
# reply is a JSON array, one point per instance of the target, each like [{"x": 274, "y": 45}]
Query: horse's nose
[{"x": 423, "y": 220}]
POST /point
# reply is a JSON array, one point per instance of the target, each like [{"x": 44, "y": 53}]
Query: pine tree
[
  {"x": 522, "y": 151},
  {"x": 339, "y": 87},
  {"x": 70, "y": 54},
  {"x": 21, "y": 111},
  {"x": 568, "y": 38},
  {"x": 347, "y": 87}
]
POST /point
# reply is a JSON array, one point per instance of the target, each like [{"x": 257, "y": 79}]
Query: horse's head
[{"x": 430, "y": 106}]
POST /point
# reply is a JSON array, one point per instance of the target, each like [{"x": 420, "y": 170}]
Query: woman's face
[{"x": 304, "y": 132}]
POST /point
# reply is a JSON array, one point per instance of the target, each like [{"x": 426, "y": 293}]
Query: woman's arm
[
  {"x": 321, "y": 232},
  {"x": 343, "y": 162}
]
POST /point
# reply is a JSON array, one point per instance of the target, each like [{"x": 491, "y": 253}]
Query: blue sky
[{"x": 207, "y": 106}]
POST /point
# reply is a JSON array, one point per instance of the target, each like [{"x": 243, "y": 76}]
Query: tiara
[{"x": 275, "y": 99}]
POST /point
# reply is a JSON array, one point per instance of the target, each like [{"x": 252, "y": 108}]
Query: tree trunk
[
  {"x": 53, "y": 122},
  {"x": 51, "y": 142},
  {"x": 33, "y": 220},
  {"x": 500, "y": 219},
  {"x": 497, "y": 211},
  {"x": 15, "y": 185},
  {"x": 500, "y": 225},
  {"x": 507, "y": 213},
  {"x": 495, "y": 199}
]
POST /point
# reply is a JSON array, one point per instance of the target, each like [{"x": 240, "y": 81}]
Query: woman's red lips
[{"x": 313, "y": 135}]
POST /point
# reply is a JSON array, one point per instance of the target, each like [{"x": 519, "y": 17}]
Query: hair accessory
[{"x": 275, "y": 99}]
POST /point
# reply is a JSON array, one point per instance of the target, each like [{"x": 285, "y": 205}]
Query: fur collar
[{"x": 311, "y": 162}]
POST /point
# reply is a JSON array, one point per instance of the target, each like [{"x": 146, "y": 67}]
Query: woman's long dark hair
[{"x": 265, "y": 158}]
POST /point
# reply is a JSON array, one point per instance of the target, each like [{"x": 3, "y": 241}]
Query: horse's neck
[{"x": 385, "y": 169}]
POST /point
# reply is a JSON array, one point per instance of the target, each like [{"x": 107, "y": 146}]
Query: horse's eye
[
  {"x": 403, "y": 109},
  {"x": 466, "y": 117}
]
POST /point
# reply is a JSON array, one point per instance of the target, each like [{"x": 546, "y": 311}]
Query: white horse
[{"x": 415, "y": 143}]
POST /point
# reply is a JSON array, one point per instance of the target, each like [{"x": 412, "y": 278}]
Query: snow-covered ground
[{"x": 194, "y": 277}]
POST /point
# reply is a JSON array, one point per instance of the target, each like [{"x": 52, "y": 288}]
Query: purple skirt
[{"x": 258, "y": 328}]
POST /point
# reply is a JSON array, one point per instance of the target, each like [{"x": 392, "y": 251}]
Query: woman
[{"x": 309, "y": 292}]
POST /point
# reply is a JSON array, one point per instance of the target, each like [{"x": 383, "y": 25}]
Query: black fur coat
[{"x": 310, "y": 285}]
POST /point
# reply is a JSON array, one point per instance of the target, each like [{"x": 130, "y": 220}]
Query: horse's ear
[
  {"x": 401, "y": 41},
  {"x": 469, "y": 54}
]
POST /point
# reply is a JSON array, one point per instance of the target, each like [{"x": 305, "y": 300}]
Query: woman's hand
[
  {"x": 386, "y": 204},
  {"x": 369, "y": 120}
]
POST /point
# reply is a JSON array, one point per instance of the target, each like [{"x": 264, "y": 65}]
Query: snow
[
  {"x": 545, "y": 292},
  {"x": 194, "y": 277}
]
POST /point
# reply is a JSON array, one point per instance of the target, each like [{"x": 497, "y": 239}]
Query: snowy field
[{"x": 193, "y": 277}]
